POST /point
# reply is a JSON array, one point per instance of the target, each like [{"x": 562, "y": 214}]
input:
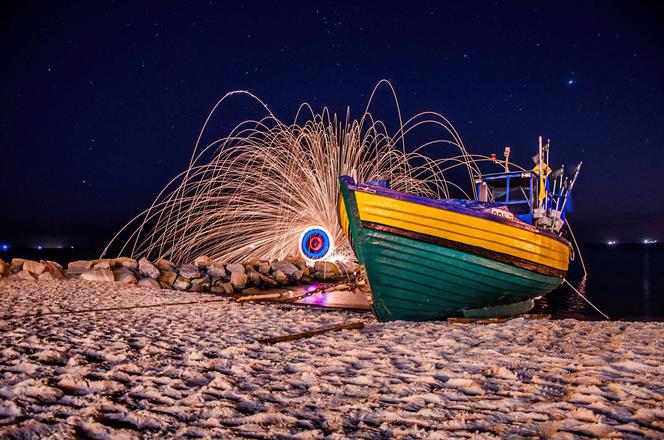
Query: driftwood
[{"x": 336, "y": 328}]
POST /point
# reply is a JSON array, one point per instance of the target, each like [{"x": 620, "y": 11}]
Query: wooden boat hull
[{"x": 423, "y": 262}]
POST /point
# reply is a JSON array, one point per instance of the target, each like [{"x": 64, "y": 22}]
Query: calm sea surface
[{"x": 625, "y": 281}]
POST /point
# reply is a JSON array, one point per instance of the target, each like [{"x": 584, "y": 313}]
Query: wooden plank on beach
[
  {"x": 287, "y": 295},
  {"x": 292, "y": 337},
  {"x": 535, "y": 316},
  {"x": 527, "y": 316},
  {"x": 477, "y": 321}
]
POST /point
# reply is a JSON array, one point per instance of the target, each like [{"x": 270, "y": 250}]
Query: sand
[{"x": 197, "y": 370}]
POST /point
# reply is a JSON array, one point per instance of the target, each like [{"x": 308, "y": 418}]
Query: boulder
[
  {"x": 167, "y": 279},
  {"x": 49, "y": 263},
  {"x": 104, "y": 275},
  {"x": 216, "y": 286},
  {"x": 149, "y": 282},
  {"x": 46, "y": 276},
  {"x": 15, "y": 268},
  {"x": 124, "y": 275},
  {"x": 182, "y": 283},
  {"x": 203, "y": 262},
  {"x": 268, "y": 282},
  {"x": 222, "y": 288},
  {"x": 216, "y": 270},
  {"x": 3, "y": 267},
  {"x": 17, "y": 261},
  {"x": 264, "y": 267},
  {"x": 190, "y": 271},
  {"x": 78, "y": 267},
  {"x": 347, "y": 267},
  {"x": 127, "y": 262},
  {"x": 297, "y": 276},
  {"x": 54, "y": 269},
  {"x": 148, "y": 269},
  {"x": 201, "y": 284},
  {"x": 326, "y": 267},
  {"x": 298, "y": 261},
  {"x": 102, "y": 265},
  {"x": 235, "y": 268},
  {"x": 33, "y": 267},
  {"x": 284, "y": 266},
  {"x": 25, "y": 275},
  {"x": 281, "y": 278},
  {"x": 254, "y": 277},
  {"x": 165, "y": 265},
  {"x": 128, "y": 278},
  {"x": 239, "y": 280},
  {"x": 253, "y": 261}
]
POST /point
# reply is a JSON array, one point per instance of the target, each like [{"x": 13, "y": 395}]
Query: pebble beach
[{"x": 153, "y": 363}]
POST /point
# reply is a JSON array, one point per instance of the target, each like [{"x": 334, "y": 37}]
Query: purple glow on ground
[{"x": 311, "y": 287}]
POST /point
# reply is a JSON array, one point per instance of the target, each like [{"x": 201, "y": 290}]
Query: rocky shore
[
  {"x": 202, "y": 275},
  {"x": 150, "y": 363}
]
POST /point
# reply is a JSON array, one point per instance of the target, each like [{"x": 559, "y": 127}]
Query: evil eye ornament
[{"x": 316, "y": 243}]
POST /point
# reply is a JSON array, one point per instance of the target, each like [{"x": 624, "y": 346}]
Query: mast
[{"x": 539, "y": 180}]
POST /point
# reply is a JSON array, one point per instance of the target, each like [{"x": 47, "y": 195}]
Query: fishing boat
[{"x": 428, "y": 259}]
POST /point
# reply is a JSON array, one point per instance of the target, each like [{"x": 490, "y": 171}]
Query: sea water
[{"x": 625, "y": 281}]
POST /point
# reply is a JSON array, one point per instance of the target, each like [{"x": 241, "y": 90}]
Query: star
[{"x": 571, "y": 82}]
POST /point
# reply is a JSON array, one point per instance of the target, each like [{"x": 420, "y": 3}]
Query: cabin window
[{"x": 515, "y": 191}]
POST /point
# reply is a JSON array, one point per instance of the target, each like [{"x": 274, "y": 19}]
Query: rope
[
  {"x": 586, "y": 299},
  {"x": 578, "y": 249},
  {"x": 108, "y": 309}
]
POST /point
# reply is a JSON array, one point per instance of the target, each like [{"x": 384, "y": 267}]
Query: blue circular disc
[{"x": 315, "y": 243}]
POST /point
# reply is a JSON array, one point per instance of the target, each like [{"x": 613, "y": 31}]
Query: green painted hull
[
  {"x": 413, "y": 280},
  {"x": 420, "y": 281}
]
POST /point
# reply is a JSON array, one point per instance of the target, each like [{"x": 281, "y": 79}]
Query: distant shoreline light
[{"x": 649, "y": 241}]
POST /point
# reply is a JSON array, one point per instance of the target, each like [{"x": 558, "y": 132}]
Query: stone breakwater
[
  {"x": 198, "y": 371},
  {"x": 203, "y": 275}
]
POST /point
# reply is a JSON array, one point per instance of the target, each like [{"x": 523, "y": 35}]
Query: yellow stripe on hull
[
  {"x": 343, "y": 216},
  {"x": 462, "y": 228}
]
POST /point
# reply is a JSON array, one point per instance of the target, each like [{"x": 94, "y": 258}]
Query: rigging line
[
  {"x": 578, "y": 249},
  {"x": 586, "y": 299},
  {"x": 108, "y": 309}
]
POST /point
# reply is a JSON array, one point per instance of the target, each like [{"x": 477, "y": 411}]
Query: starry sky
[{"x": 102, "y": 101}]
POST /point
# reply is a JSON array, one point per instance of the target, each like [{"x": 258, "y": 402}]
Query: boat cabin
[{"x": 515, "y": 190}]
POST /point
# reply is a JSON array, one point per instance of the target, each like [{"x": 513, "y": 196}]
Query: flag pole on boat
[
  {"x": 571, "y": 185},
  {"x": 507, "y": 159}
]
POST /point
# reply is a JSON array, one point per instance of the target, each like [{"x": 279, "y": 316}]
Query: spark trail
[{"x": 255, "y": 190}]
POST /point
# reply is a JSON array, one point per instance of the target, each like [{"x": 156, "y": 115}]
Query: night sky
[{"x": 102, "y": 101}]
